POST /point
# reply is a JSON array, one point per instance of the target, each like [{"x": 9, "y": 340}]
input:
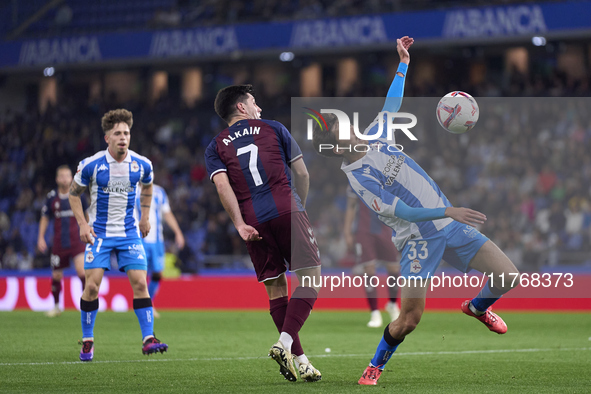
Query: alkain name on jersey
[{"x": 238, "y": 134}]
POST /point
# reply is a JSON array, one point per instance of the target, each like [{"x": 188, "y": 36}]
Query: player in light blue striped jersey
[
  {"x": 425, "y": 226},
  {"x": 154, "y": 241},
  {"x": 112, "y": 177}
]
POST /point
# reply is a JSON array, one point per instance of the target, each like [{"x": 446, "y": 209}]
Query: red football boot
[
  {"x": 489, "y": 318},
  {"x": 370, "y": 376}
]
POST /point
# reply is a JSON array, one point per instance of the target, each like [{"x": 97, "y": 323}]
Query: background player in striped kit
[
  {"x": 66, "y": 241},
  {"x": 113, "y": 176},
  {"x": 426, "y": 227},
  {"x": 251, "y": 163},
  {"x": 154, "y": 241},
  {"x": 371, "y": 241}
]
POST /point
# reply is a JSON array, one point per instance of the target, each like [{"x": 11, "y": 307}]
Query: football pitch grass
[{"x": 225, "y": 351}]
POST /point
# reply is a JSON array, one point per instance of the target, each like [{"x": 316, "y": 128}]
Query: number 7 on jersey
[{"x": 252, "y": 162}]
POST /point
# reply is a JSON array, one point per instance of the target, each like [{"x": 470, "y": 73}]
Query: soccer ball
[{"x": 457, "y": 112}]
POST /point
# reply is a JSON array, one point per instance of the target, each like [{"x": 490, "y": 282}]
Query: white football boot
[
  {"x": 376, "y": 319},
  {"x": 393, "y": 309}
]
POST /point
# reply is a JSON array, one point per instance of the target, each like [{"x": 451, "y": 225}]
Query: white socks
[
  {"x": 147, "y": 337},
  {"x": 474, "y": 310},
  {"x": 301, "y": 360},
  {"x": 286, "y": 340}
]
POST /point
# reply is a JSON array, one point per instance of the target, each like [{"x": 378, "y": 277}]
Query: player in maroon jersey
[
  {"x": 252, "y": 163},
  {"x": 371, "y": 241},
  {"x": 66, "y": 241}
]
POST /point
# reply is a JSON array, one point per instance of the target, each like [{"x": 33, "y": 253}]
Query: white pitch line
[{"x": 491, "y": 351}]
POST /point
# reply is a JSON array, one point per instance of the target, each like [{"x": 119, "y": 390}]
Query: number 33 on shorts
[
  {"x": 414, "y": 256},
  {"x": 422, "y": 254}
]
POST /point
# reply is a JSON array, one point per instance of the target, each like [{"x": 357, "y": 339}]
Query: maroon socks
[
  {"x": 56, "y": 287},
  {"x": 372, "y": 298},
  {"x": 299, "y": 308},
  {"x": 278, "y": 309}
]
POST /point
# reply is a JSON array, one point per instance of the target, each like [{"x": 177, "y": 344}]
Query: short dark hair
[
  {"x": 111, "y": 118},
  {"x": 62, "y": 167},
  {"x": 321, "y": 136},
  {"x": 228, "y": 97}
]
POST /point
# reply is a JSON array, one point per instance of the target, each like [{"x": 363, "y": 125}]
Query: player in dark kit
[
  {"x": 66, "y": 242},
  {"x": 371, "y": 241},
  {"x": 252, "y": 163}
]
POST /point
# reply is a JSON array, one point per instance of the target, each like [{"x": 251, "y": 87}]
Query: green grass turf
[{"x": 225, "y": 352}]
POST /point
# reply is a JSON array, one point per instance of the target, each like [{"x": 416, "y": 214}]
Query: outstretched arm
[
  {"x": 396, "y": 91},
  {"x": 463, "y": 215},
  {"x": 370, "y": 190},
  {"x": 230, "y": 203}
]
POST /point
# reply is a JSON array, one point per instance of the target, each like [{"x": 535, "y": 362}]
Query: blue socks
[
  {"x": 141, "y": 306},
  {"x": 485, "y": 298},
  {"x": 88, "y": 310},
  {"x": 153, "y": 287},
  {"x": 385, "y": 350},
  {"x": 143, "y": 310}
]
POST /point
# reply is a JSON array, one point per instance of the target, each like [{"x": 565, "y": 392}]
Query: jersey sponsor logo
[
  {"x": 64, "y": 214},
  {"x": 89, "y": 257},
  {"x": 102, "y": 167},
  {"x": 136, "y": 250},
  {"x": 415, "y": 266},
  {"x": 135, "y": 167},
  {"x": 118, "y": 187},
  {"x": 470, "y": 231},
  {"x": 241, "y": 133},
  {"x": 392, "y": 168}
]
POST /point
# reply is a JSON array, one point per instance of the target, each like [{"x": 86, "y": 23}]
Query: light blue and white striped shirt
[
  {"x": 386, "y": 175},
  {"x": 383, "y": 177},
  {"x": 113, "y": 188},
  {"x": 158, "y": 208}
]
